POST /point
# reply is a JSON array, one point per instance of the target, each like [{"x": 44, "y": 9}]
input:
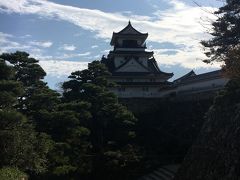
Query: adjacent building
[{"x": 137, "y": 75}]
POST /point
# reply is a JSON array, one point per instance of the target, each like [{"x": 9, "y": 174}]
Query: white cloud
[
  {"x": 38, "y": 54},
  {"x": 68, "y": 47},
  {"x": 96, "y": 57},
  {"x": 44, "y": 44},
  {"x": 25, "y": 36},
  {"x": 65, "y": 56},
  {"x": 106, "y": 51},
  {"x": 191, "y": 58},
  {"x": 4, "y": 37},
  {"x": 6, "y": 44},
  {"x": 179, "y": 24},
  {"x": 94, "y": 46},
  {"x": 62, "y": 68},
  {"x": 58, "y": 68}
]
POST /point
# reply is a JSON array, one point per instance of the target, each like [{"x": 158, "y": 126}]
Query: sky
[{"x": 65, "y": 35}]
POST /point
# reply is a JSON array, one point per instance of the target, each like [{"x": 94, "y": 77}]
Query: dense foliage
[
  {"x": 7, "y": 173},
  {"x": 232, "y": 63},
  {"x": 111, "y": 126},
  {"x": 224, "y": 46},
  {"x": 85, "y": 133},
  {"x": 225, "y": 32},
  {"x": 21, "y": 146}
]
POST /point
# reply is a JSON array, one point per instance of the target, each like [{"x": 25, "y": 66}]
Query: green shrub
[{"x": 9, "y": 173}]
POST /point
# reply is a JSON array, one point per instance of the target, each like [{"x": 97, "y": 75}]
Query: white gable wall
[
  {"x": 132, "y": 66},
  {"x": 118, "y": 61},
  {"x": 144, "y": 61}
]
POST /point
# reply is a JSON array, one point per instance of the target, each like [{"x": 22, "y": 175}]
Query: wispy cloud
[
  {"x": 25, "y": 36},
  {"x": 62, "y": 68},
  {"x": 4, "y": 37},
  {"x": 7, "y": 44},
  {"x": 65, "y": 56},
  {"x": 68, "y": 47},
  {"x": 106, "y": 51},
  {"x": 179, "y": 24},
  {"x": 44, "y": 44},
  {"x": 94, "y": 46},
  {"x": 59, "y": 67}
]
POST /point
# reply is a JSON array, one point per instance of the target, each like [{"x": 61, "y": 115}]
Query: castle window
[
  {"x": 129, "y": 80},
  {"x": 121, "y": 89},
  {"x": 130, "y": 43},
  {"x": 145, "y": 88},
  {"x": 152, "y": 80}
]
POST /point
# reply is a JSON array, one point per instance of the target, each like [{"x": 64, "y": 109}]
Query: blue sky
[{"x": 64, "y": 35}]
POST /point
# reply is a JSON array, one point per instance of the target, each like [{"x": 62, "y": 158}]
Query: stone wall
[{"x": 216, "y": 153}]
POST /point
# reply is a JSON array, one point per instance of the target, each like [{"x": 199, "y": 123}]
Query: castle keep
[{"x": 136, "y": 72}]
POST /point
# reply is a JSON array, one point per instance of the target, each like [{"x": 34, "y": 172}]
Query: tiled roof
[
  {"x": 144, "y": 83},
  {"x": 152, "y": 68},
  {"x": 191, "y": 73},
  {"x": 132, "y": 52},
  {"x": 128, "y": 31},
  {"x": 133, "y": 30},
  {"x": 202, "y": 77},
  {"x": 142, "y": 74}
]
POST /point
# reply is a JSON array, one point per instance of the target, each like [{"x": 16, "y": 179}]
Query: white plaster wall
[
  {"x": 154, "y": 91},
  {"x": 118, "y": 61},
  {"x": 147, "y": 79},
  {"x": 139, "y": 92},
  {"x": 144, "y": 60},
  {"x": 202, "y": 86}
]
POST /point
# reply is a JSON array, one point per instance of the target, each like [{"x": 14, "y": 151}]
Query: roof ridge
[{"x": 130, "y": 26}]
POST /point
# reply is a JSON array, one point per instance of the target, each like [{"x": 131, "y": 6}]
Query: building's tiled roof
[
  {"x": 128, "y": 31},
  {"x": 186, "y": 76},
  {"x": 132, "y": 52},
  {"x": 202, "y": 77},
  {"x": 145, "y": 83},
  {"x": 152, "y": 68},
  {"x": 134, "y": 74},
  {"x": 133, "y": 30}
]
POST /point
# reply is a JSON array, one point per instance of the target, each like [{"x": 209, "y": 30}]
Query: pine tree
[
  {"x": 21, "y": 146},
  {"x": 29, "y": 73},
  {"x": 225, "y": 32},
  {"x": 111, "y": 125}
]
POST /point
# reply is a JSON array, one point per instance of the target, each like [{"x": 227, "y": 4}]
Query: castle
[{"x": 137, "y": 75}]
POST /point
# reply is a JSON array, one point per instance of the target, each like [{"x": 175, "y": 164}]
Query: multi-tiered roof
[{"x": 130, "y": 51}]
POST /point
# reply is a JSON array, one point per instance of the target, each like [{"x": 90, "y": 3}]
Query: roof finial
[{"x": 129, "y": 22}]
